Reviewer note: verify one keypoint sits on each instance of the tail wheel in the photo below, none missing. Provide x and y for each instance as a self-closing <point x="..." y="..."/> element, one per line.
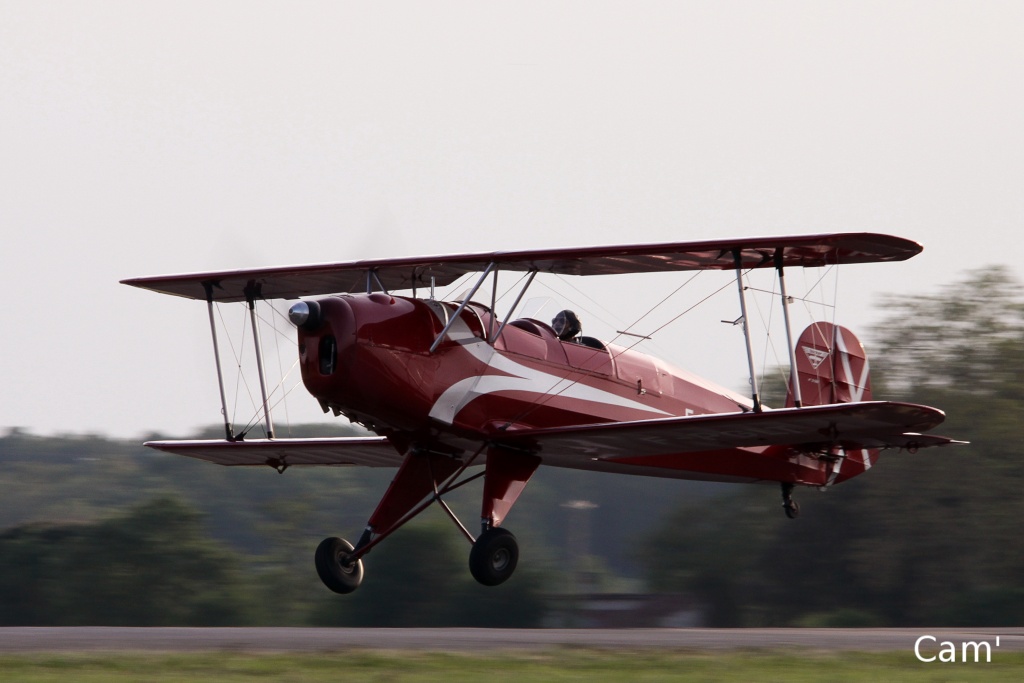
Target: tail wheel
<point x="335" y="570"/>
<point x="494" y="556"/>
<point x="791" y="507"/>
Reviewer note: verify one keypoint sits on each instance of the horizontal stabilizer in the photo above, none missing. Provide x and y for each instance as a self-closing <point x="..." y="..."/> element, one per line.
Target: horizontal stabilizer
<point x="370" y="451"/>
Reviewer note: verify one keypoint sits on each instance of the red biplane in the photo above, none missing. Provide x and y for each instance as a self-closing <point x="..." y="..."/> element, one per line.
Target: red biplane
<point x="449" y="387"/>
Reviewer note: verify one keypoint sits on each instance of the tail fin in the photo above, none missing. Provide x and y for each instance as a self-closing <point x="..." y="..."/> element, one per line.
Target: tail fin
<point x="831" y="367"/>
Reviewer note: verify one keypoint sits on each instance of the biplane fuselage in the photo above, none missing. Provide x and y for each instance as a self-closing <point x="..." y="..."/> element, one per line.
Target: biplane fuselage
<point x="386" y="378"/>
<point x="368" y="358"/>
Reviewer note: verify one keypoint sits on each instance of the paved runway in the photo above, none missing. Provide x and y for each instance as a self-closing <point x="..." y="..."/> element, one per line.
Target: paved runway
<point x="115" y="639"/>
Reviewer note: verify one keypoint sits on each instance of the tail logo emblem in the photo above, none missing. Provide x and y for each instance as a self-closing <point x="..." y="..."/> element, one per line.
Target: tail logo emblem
<point x="815" y="356"/>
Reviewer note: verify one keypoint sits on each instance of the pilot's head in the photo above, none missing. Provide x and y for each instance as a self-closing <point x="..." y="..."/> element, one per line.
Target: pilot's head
<point x="566" y="325"/>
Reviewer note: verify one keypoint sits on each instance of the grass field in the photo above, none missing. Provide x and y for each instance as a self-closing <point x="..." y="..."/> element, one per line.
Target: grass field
<point x="561" y="664"/>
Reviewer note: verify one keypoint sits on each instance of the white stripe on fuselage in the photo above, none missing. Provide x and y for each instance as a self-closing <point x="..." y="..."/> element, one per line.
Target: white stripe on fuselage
<point x="517" y="377"/>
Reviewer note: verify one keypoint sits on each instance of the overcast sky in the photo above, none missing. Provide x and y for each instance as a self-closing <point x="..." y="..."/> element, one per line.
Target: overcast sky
<point x="140" y="138"/>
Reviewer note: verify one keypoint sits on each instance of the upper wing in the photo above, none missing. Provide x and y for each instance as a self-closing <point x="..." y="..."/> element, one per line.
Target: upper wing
<point x="370" y="451"/>
<point x="875" y="424"/>
<point x="405" y="273"/>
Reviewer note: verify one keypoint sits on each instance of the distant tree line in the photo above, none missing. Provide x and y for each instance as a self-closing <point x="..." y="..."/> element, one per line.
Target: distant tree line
<point x="152" y="566"/>
<point x="148" y="567"/>
<point x="101" y="531"/>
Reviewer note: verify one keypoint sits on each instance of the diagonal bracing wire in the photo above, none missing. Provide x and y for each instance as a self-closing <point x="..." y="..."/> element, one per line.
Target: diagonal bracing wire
<point x="564" y="380"/>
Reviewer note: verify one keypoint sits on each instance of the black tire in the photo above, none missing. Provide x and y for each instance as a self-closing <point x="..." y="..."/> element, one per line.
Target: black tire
<point x="494" y="556"/>
<point x="335" y="572"/>
<point x="792" y="509"/>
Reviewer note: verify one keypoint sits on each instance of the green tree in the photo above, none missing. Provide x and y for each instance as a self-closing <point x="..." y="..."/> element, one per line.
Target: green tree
<point x="150" y="566"/>
<point x="964" y="339"/>
<point x="277" y="520"/>
<point x="711" y="551"/>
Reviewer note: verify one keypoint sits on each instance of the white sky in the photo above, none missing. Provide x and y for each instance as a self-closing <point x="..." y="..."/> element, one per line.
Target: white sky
<point x="145" y="138"/>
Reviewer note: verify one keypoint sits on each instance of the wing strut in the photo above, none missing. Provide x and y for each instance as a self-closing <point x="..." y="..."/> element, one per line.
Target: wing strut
<point x="515" y="304"/>
<point x="259" y="366"/>
<point x="746" y="329"/>
<point x="491" y="334"/>
<point x="371" y="277"/>
<point x="494" y="304"/>
<point x="462" y="306"/>
<point x="793" y="379"/>
<point x="228" y="433"/>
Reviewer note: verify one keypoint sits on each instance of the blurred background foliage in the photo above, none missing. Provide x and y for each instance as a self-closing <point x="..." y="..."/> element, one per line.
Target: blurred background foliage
<point x="73" y="505"/>
<point x="924" y="538"/>
<point x="106" y="532"/>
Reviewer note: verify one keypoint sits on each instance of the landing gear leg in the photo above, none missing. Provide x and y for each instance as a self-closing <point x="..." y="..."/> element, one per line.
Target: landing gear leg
<point x="339" y="564"/>
<point x="495" y="553"/>
<point x="791" y="507"/>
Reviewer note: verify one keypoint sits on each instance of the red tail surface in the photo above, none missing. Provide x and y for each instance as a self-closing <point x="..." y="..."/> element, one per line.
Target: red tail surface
<point x="832" y="367"/>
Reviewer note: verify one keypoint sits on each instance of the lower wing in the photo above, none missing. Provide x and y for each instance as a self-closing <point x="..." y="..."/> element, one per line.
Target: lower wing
<point x="811" y="430"/>
<point x="369" y="451"/>
<point x="814" y="429"/>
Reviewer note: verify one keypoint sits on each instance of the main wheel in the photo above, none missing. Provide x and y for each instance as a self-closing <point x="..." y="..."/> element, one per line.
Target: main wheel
<point x="494" y="556"/>
<point x="332" y="564"/>
<point x="792" y="509"/>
